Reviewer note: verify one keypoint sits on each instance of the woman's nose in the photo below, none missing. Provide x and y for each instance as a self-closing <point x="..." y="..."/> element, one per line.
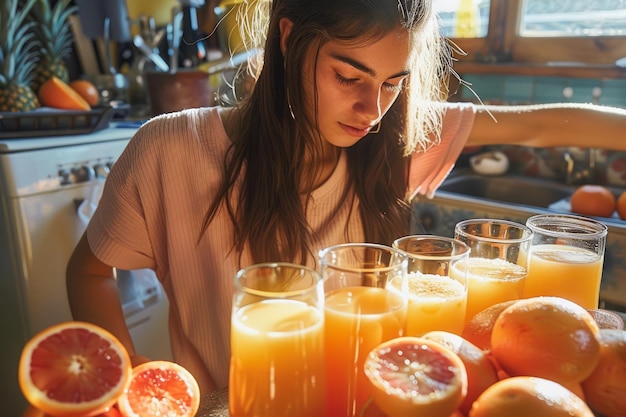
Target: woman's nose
<point x="368" y="104"/>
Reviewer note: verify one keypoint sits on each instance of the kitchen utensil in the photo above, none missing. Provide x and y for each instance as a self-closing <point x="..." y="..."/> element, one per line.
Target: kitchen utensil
<point x="107" y="46"/>
<point x="174" y="40"/>
<point x="150" y="53"/>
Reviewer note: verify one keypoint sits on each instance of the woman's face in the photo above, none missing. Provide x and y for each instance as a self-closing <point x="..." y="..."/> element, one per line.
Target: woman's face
<point x="356" y="85"/>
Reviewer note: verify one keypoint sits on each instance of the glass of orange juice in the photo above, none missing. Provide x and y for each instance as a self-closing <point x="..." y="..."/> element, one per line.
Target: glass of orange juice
<point x="498" y="262"/>
<point x="437" y="287"/>
<point x="566" y="258"/>
<point x="360" y="313"/>
<point x="277" y="342"/>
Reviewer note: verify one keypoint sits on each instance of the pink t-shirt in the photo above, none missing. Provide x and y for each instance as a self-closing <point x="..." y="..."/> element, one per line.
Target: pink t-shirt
<point x="152" y="209"/>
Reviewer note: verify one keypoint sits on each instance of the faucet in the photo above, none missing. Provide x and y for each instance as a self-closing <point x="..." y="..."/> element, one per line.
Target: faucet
<point x="585" y="175"/>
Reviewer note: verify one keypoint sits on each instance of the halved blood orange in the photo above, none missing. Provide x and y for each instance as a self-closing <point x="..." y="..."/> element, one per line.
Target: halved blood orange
<point x="416" y="376"/>
<point x="73" y="369"/>
<point x="31" y="411"/>
<point x="160" y="388"/>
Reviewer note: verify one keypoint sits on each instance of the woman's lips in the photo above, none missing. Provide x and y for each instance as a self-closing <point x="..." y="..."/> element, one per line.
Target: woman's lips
<point x="355" y="131"/>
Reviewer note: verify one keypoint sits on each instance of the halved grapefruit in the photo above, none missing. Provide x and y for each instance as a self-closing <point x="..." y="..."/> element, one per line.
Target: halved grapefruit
<point x="73" y="369"/>
<point x="416" y="376"/>
<point x="160" y="388"/>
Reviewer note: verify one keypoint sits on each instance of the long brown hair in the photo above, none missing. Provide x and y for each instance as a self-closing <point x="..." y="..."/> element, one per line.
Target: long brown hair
<point x="275" y="132"/>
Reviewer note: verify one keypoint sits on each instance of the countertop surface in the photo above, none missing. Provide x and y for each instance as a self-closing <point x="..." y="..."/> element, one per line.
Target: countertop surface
<point x="214" y="404"/>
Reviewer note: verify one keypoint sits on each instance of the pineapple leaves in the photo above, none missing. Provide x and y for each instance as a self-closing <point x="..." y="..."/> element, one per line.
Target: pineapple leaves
<point x="53" y="29"/>
<point x="17" y="55"/>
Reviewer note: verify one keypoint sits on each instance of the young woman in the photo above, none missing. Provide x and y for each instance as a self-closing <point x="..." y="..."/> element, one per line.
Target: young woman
<point x="344" y="122"/>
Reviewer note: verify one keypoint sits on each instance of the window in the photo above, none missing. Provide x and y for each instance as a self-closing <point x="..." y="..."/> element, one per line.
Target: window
<point x="578" y="18"/>
<point x="558" y="33"/>
<point x="463" y="18"/>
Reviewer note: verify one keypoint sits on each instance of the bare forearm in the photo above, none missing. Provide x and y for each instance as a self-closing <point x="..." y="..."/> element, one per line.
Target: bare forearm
<point x="96" y="300"/>
<point x="93" y="294"/>
<point x="548" y="125"/>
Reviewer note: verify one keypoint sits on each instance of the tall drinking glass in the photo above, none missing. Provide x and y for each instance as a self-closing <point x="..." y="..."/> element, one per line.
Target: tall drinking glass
<point x="566" y="258"/>
<point x="277" y="342"/>
<point x="498" y="261"/>
<point x="437" y="286"/>
<point x="360" y="313"/>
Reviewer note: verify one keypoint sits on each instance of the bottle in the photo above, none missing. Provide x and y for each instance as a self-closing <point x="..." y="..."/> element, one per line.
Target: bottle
<point x="192" y="48"/>
<point x="468" y="20"/>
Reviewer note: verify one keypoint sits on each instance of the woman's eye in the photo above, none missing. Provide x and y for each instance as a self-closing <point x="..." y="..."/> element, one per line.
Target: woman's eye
<point x="345" y="81"/>
<point x="393" y="88"/>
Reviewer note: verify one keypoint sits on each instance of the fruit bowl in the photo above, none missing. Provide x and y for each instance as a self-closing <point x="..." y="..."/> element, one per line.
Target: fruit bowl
<point x="48" y="121"/>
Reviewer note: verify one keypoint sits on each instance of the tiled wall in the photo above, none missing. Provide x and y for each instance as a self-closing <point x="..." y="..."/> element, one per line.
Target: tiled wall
<point x="510" y="89"/>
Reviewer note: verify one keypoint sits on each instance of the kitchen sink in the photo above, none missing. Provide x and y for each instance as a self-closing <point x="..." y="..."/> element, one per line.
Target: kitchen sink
<point x="514" y="189"/>
<point x="466" y="195"/>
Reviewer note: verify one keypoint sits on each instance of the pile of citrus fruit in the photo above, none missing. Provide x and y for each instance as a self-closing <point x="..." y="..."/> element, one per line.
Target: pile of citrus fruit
<point x="535" y="357"/>
<point x="599" y="201"/>
<point x="77" y="95"/>
<point x="77" y="369"/>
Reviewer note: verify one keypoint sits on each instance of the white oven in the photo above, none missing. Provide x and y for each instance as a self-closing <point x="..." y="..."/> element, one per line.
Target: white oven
<point x="43" y="183"/>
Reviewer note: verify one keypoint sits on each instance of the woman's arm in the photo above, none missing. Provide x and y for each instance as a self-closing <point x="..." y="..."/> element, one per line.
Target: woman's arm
<point x="548" y="125"/>
<point x="94" y="297"/>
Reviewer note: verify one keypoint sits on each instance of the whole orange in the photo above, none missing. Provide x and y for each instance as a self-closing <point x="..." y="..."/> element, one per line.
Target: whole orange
<point x="481" y="372"/>
<point x="548" y="337"/>
<point x="527" y="396"/>
<point x="605" y="388"/>
<point x="478" y="329"/>
<point x="621" y="206"/>
<point x="58" y="94"/>
<point x="87" y="90"/>
<point x="593" y="200"/>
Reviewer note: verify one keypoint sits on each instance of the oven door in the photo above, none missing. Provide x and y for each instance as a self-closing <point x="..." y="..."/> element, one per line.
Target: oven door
<point x="49" y="230"/>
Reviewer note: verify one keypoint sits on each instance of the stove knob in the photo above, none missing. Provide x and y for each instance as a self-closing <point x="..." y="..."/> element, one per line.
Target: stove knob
<point x="101" y="171"/>
<point x="65" y="176"/>
<point x="83" y="173"/>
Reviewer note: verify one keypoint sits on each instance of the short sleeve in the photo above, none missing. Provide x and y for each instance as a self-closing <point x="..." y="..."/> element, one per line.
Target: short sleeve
<point x="117" y="232"/>
<point x="429" y="168"/>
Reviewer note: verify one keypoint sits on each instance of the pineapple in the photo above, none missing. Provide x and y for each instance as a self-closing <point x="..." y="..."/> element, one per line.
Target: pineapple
<point x="54" y="33"/>
<point x="18" y="57"/>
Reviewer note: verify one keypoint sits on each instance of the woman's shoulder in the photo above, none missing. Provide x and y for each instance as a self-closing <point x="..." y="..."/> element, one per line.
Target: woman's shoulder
<point x="198" y="124"/>
<point x="189" y="136"/>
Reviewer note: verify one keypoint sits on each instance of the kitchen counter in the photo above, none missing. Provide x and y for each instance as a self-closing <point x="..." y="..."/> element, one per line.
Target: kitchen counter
<point x="214" y="404"/>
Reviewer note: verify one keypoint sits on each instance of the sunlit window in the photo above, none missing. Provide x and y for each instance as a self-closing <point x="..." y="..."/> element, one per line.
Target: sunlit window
<point x="573" y="18"/>
<point x="463" y="18"/>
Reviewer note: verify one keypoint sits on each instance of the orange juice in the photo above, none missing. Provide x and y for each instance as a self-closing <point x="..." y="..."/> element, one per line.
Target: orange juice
<point x="436" y="302"/>
<point x="489" y="282"/>
<point x="277" y="360"/>
<point x="564" y="271"/>
<point x="357" y="319"/>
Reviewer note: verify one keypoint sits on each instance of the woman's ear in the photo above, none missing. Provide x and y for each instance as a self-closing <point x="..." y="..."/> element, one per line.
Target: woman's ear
<point x="285" y="29"/>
